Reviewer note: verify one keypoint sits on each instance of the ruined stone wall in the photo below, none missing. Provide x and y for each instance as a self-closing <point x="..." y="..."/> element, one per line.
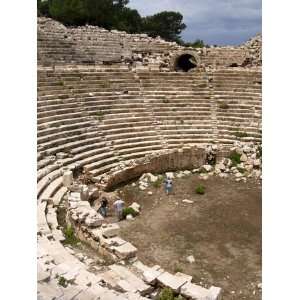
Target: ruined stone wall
<point x="91" y="45"/>
<point x="187" y="158"/>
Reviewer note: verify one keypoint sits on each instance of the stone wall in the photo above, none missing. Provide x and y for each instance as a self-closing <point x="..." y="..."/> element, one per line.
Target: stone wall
<point x="187" y="158"/>
<point x="91" y="45"/>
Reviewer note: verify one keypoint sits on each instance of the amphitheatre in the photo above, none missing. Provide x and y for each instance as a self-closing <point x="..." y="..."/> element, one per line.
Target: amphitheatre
<point x="115" y="113"/>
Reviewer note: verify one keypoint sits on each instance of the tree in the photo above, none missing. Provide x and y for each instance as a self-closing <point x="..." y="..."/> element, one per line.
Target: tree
<point x="113" y="14"/>
<point x="167" y="24"/>
<point x="69" y="12"/>
<point x="43" y="8"/>
<point x="129" y="20"/>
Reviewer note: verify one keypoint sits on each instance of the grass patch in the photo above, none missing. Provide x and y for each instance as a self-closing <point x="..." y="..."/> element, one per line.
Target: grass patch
<point x="69" y="233"/>
<point x="240" y="134"/>
<point x="166" y="294"/>
<point x="223" y="105"/>
<point x="128" y="211"/>
<point x="177" y="268"/>
<point x="235" y="158"/>
<point x="158" y="182"/>
<point x="200" y="189"/>
<point x="99" y="115"/>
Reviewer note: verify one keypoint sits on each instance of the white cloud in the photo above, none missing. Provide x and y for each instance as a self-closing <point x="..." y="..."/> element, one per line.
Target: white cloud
<point x="214" y="21"/>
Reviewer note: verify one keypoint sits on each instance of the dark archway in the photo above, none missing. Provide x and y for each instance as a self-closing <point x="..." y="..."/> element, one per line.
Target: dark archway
<point x="185" y="62"/>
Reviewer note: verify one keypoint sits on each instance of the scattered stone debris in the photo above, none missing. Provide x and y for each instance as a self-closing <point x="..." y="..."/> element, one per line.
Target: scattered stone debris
<point x="187" y="201"/>
<point x="190" y="259"/>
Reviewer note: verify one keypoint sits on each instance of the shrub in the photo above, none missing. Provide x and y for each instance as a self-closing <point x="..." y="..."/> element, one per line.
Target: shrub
<point x="128" y="211"/>
<point x="62" y="281"/>
<point x="70" y="236"/>
<point x="158" y="182"/>
<point x="235" y="158"/>
<point x="177" y="269"/>
<point x="223" y="105"/>
<point x="240" y="134"/>
<point x="166" y="100"/>
<point x="259" y="152"/>
<point x="166" y="294"/>
<point x="200" y="189"/>
<point x="99" y="115"/>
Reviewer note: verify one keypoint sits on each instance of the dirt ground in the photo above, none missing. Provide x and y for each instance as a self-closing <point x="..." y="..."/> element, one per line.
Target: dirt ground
<point x="221" y="229"/>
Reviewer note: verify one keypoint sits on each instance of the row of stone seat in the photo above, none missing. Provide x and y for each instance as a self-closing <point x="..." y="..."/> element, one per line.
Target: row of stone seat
<point x="240" y="91"/>
<point x="113" y="125"/>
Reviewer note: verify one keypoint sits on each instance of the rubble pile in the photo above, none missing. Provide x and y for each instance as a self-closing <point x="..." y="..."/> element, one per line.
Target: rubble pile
<point x="244" y="162"/>
<point x="254" y="49"/>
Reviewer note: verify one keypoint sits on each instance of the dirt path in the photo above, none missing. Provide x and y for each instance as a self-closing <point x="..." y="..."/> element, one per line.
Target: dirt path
<point x="221" y="229"/>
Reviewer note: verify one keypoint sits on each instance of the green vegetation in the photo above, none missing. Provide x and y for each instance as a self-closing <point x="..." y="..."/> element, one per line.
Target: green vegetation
<point x="196" y="44"/>
<point x="128" y="211"/>
<point x="158" y="182"/>
<point x="114" y="14"/>
<point x="240" y="134"/>
<point x="259" y="151"/>
<point x="200" y="189"/>
<point x="99" y="115"/>
<point x="166" y="294"/>
<point x="177" y="268"/>
<point x="62" y="281"/>
<point x="69" y="233"/>
<point x="235" y="158"/>
<point x="167" y="24"/>
<point x="223" y="105"/>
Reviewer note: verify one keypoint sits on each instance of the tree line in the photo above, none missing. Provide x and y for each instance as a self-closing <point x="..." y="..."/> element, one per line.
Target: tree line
<point x="115" y="14"/>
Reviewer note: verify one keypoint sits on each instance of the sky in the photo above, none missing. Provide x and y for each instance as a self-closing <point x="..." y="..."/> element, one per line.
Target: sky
<point x="221" y="22"/>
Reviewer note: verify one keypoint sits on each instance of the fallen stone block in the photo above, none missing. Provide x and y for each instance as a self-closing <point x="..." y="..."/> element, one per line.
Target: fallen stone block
<point x="136" y="207"/>
<point x="125" y="251"/>
<point x="151" y="275"/>
<point x="185" y="276"/>
<point x="194" y="292"/>
<point x="173" y="282"/>
<point x="187" y="201"/>
<point x="215" y="293"/>
<point x="110" y="230"/>
<point x="114" y="241"/>
<point x="136" y="283"/>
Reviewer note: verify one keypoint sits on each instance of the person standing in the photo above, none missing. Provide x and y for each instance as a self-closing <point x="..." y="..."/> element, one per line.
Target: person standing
<point x="168" y="185"/>
<point x="119" y="205"/>
<point x="104" y="207"/>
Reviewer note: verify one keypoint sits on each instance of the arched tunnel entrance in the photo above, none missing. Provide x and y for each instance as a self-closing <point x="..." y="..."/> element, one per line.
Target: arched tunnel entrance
<point x="185" y="62"/>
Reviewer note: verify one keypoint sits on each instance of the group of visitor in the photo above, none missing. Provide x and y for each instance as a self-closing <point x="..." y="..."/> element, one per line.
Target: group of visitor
<point x="119" y="203"/>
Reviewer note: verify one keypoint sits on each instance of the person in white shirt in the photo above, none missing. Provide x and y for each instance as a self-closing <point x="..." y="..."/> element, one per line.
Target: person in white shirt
<point x="119" y="205"/>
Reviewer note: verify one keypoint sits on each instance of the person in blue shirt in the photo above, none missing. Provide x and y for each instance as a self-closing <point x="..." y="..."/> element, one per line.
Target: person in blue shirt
<point x="168" y="185"/>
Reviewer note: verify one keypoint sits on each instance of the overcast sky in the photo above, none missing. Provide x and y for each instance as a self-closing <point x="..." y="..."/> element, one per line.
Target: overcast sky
<point x="221" y="22"/>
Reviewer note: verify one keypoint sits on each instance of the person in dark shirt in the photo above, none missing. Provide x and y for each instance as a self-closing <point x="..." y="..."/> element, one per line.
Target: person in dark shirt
<point x="104" y="207"/>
